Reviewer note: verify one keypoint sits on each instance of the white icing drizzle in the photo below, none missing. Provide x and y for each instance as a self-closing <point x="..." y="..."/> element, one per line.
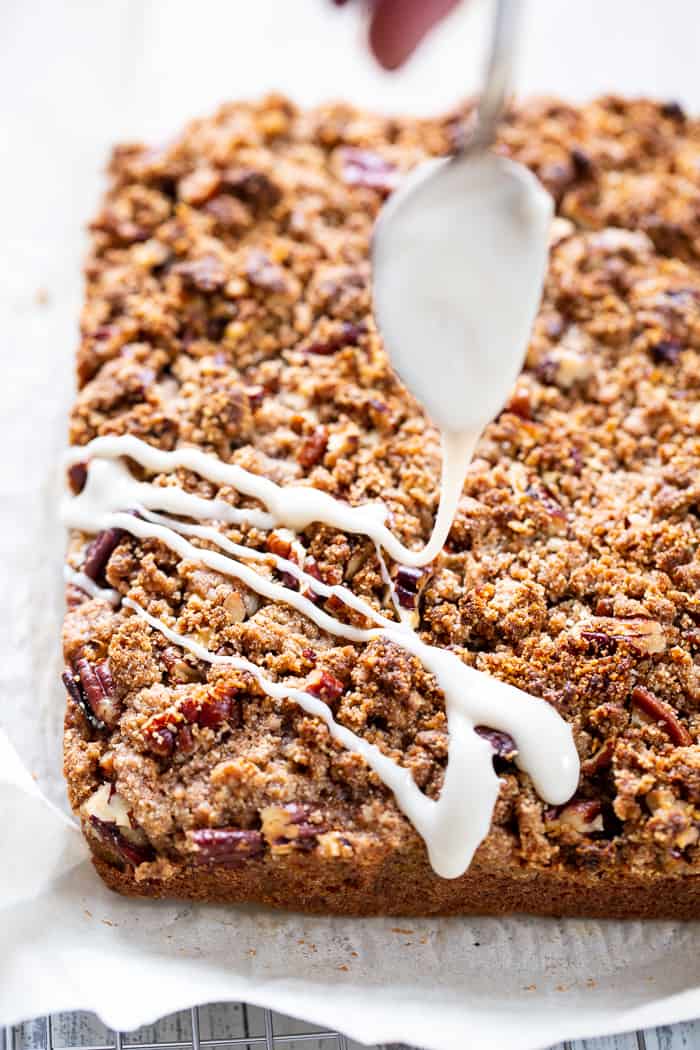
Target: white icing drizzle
<point x="326" y="590"/>
<point x="88" y="585"/>
<point x="295" y="506"/>
<point x="389" y="584"/>
<point x="453" y="825"/>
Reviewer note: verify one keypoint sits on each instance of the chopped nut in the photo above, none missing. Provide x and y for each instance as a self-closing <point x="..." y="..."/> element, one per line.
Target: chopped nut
<point x="231" y="215"/>
<point x="407" y="581"/>
<point x="645" y="636"/>
<point x="535" y="490"/>
<point x="502" y="743"/>
<point x="100" y="551"/>
<point x="254" y="187"/>
<point x="216" y="706"/>
<point x="107" y="764"/>
<point x="325" y="685"/>
<point x="365" y="168"/>
<point x="72" y="683"/>
<point x="674" y="111"/>
<point x="333" y="844"/>
<point x="226" y="847"/>
<point x="206" y="274"/>
<point x="584" y="817"/>
<point x="235" y="606"/>
<point x="117" y="843"/>
<point x="348" y="335"/>
<point x="98" y="688"/>
<point x="162" y="740"/>
<point x="184" y="744"/>
<point x="280" y="542"/>
<point x="264" y="273"/>
<point x="662" y="713"/>
<point x="77" y="476"/>
<point x="179" y="671"/>
<point x="666" y="351"/>
<point x="92" y="689"/>
<point x="287" y="828"/>
<point x="602" y="759"/>
<point x="106" y="804"/>
<point x="199" y="185"/>
<point x="313" y="448"/>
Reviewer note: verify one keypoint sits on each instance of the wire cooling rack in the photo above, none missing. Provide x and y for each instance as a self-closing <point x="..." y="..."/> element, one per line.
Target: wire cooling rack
<point x="225" y="1025"/>
<point x="236" y="1025"/>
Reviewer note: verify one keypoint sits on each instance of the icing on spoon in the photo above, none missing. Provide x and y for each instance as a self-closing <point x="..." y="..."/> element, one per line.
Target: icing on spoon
<point x="459" y="255"/>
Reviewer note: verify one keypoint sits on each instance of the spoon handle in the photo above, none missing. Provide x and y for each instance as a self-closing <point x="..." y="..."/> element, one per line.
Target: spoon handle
<point x="498" y="71"/>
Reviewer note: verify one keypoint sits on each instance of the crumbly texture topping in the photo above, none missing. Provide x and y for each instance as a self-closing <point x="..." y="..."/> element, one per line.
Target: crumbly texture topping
<point x="228" y="306"/>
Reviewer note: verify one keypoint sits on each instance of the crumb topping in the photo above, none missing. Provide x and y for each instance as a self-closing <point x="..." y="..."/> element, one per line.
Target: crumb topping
<point x="228" y="306"/>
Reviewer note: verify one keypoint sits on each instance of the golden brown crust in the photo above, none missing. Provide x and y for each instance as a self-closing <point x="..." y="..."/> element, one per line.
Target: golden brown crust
<point x="406" y="885"/>
<point x="228" y="307"/>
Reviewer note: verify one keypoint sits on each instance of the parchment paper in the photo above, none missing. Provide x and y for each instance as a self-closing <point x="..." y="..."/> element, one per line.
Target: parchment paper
<point x="73" y="78"/>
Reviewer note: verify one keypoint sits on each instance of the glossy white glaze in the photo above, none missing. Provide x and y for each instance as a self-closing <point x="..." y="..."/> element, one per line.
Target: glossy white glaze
<point x="453" y="825"/>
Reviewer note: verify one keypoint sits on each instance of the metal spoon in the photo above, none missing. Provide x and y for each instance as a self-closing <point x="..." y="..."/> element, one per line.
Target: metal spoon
<point x="458" y="257"/>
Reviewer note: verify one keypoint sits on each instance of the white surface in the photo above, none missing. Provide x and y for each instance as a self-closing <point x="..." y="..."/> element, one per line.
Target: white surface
<point x="73" y="77"/>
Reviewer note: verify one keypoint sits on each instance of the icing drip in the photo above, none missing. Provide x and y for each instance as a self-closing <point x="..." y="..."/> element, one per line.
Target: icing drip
<point x="295" y="506"/>
<point x="453" y="825"/>
<point x="389" y="584"/>
<point x="86" y="584"/>
<point x="283" y="564"/>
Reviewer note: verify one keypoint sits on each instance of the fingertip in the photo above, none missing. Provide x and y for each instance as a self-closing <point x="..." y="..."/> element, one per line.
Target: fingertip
<point x="398" y="26"/>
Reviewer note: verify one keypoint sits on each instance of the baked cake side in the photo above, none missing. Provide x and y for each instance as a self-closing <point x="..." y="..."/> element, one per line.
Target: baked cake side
<point x="228" y="309"/>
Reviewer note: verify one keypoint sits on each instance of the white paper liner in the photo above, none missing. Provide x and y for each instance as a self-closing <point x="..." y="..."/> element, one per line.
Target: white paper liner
<point x="75" y="78"/>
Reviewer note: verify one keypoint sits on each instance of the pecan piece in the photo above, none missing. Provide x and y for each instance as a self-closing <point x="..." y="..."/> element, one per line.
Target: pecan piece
<point x="581" y="163"/>
<point x="230" y="213"/>
<point x="602" y="759"/>
<point x="520" y="404"/>
<point x="313" y="447"/>
<point x="72" y="683"/>
<point x="100" y="551"/>
<point x="541" y="493"/>
<point x="77" y="476"/>
<point x="262" y="272"/>
<point x="169" y="732"/>
<point x="365" y="168"/>
<point x="600" y="642"/>
<point x="179" y="671"/>
<point x="665" y="352"/>
<point x="130" y="852"/>
<point x="255" y="394"/>
<point x="673" y="110"/>
<point x="288" y="827"/>
<point x="277" y="543"/>
<point x="98" y="689"/>
<point x="644" y="635"/>
<point x="217" y="707"/>
<point x="502" y="743"/>
<point x="206" y="274"/>
<point x="254" y="187"/>
<point x="197" y="187"/>
<point x="226" y="847"/>
<point x="348" y="335"/>
<point x="662" y="713"/>
<point x="407" y="580"/>
<point x="161" y="736"/>
<point x="325" y="686"/>
<point x="583" y="816"/>
<point x="92" y="689"/>
<point x="184" y="745"/>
